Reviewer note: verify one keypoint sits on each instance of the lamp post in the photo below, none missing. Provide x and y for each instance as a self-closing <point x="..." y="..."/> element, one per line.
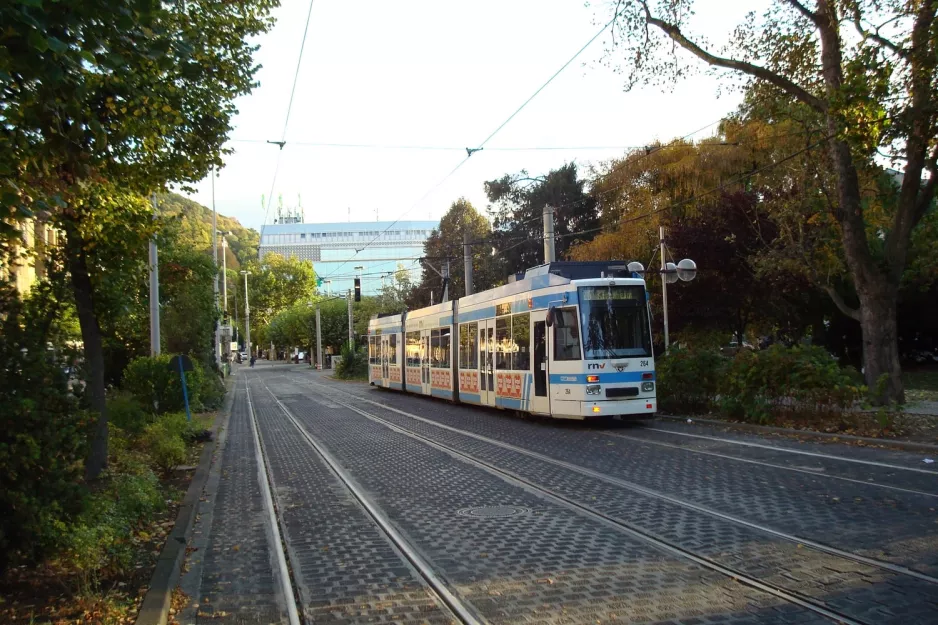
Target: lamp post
<point x="247" y="313"/>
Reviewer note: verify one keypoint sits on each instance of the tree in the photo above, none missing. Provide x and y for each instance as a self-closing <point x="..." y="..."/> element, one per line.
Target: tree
<point x="445" y="243"/>
<point x="518" y="206"/>
<point x="867" y="69"/>
<point x="188" y="302"/>
<point x="139" y="91"/>
<point x="275" y="284"/>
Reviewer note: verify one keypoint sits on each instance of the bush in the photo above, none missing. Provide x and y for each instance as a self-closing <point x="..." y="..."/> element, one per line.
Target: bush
<point x="125" y="412"/>
<point x="354" y="365"/>
<point x="100" y="541"/>
<point x="689" y="379"/>
<point x="799" y="381"/>
<point x="212" y="392"/>
<point x="165" y="440"/>
<point x="152" y="383"/>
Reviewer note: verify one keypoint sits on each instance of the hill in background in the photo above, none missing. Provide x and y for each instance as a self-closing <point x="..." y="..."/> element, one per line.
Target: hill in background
<point x="193" y="223"/>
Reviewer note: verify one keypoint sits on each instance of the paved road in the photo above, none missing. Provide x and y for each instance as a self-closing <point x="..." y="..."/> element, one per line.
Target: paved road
<point x="339" y="503"/>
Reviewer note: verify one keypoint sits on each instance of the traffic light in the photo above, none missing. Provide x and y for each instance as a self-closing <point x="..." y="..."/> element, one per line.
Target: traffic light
<point x="358" y="289"/>
<point x="318" y="281"/>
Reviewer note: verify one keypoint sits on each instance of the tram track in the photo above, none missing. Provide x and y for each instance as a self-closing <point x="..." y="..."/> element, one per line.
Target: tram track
<point x="459" y="610"/>
<point x="777" y="590"/>
<point x="649" y="492"/>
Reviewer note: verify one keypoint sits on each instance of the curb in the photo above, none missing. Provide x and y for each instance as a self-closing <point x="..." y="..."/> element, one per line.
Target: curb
<point x="157" y="602"/>
<point x="750" y="427"/>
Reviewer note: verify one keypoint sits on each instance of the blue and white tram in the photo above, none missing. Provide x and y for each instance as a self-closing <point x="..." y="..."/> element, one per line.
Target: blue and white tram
<point x="569" y="340"/>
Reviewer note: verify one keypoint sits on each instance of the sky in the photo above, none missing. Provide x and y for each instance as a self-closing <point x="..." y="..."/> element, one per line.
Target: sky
<point x="401" y="77"/>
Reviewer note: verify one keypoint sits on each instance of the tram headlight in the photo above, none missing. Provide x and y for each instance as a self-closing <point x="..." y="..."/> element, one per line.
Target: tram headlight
<point x="593" y="389"/>
<point x="648" y="387"/>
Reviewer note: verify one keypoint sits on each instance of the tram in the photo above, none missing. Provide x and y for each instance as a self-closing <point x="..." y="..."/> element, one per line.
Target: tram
<point x="570" y="340"/>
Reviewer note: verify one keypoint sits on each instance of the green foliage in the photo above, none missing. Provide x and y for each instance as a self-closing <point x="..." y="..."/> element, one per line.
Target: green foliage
<point x="100" y="541"/>
<point x="43" y="434"/>
<point x="799" y="381"/>
<point x="165" y="440"/>
<point x="190" y="225"/>
<point x="212" y="391"/>
<point x="275" y="285"/>
<point x="127" y="413"/>
<point x="152" y="383"/>
<point x="188" y="303"/>
<point x="688" y="380"/>
<point x="446" y="241"/>
<point x="354" y="365"/>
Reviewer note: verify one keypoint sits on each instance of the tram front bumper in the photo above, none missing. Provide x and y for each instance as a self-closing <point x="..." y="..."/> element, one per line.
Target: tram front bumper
<point x="603" y="408"/>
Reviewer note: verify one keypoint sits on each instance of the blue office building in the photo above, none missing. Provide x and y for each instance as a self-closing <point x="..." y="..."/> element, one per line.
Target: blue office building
<point x="384" y="247"/>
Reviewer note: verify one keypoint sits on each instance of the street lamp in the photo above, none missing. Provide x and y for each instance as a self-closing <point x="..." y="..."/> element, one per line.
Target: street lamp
<point x="247" y="312"/>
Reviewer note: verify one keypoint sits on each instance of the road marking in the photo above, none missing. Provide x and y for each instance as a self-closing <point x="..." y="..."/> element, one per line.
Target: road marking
<point x="770" y="464"/>
<point x="262" y="477"/>
<point x="813" y="454"/>
<point x="653" y="493"/>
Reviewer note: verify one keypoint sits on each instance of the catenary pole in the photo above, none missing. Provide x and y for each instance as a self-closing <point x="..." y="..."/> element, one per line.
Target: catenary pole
<point x="154" y="291"/>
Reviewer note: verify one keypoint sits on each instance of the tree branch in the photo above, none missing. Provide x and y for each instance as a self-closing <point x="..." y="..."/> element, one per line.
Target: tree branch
<point x="875" y="36"/>
<point x="841" y="305"/>
<point x="811" y="15"/>
<point x="928" y="190"/>
<point x="757" y="71"/>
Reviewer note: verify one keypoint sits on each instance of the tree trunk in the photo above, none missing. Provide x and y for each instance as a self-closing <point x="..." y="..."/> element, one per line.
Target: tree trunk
<point x="880" y="342"/>
<point x="96" y="460"/>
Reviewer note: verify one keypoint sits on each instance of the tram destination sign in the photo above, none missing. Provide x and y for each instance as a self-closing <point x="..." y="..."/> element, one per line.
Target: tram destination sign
<point x="601" y="293"/>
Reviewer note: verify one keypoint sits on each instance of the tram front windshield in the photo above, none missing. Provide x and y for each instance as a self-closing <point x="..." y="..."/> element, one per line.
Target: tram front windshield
<point x="615" y="322"/>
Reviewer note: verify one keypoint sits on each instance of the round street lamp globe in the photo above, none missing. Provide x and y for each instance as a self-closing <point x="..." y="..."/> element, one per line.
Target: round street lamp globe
<point x="687" y="270"/>
<point x="670" y="275"/>
<point x="636" y="267"/>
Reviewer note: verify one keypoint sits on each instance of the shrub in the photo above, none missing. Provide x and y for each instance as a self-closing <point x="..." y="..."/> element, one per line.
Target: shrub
<point x="212" y="391"/>
<point x="688" y="379"/>
<point x="125" y="412"/>
<point x="354" y="364"/>
<point x="100" y="541"/>
<point x="165" y="440"/>
<point x="152" y="383"/>
<point x="799" y="381"/>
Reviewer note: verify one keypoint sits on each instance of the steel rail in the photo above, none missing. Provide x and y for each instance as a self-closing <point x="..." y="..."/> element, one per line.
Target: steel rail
<point x="458" y="607"/>
<point x="627" y="528"/>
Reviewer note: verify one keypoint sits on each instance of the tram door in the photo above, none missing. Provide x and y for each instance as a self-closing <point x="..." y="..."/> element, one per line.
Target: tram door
<point x="385" y="356"/>
<point x="540" y="401"/>
<point x="487" y="361"/>
<point x="425" y="355"/>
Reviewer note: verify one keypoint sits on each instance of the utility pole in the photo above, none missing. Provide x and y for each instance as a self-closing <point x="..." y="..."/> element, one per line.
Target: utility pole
<point x="445" y="282"/>
<point x="217" y="346"/>
<point x="318" y="340"/>
<point x="467" y="261"/>
<point x="664" y="286"/>
<point x="549" y="252"/>
<point x="154" y="291"/>
<point x="247" y="314"/>
<point x="224" y="271"/>
<point x="351" y="327"/>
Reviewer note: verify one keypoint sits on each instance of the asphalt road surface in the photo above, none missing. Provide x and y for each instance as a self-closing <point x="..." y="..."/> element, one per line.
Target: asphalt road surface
<point x="334" y="502"/>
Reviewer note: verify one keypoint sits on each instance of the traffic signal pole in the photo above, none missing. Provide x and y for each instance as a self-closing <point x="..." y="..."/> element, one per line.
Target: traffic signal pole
<point x="351" y="327"/>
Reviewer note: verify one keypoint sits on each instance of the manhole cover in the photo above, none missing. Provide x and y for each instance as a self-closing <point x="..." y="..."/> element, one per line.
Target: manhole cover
<point x="493" y="512"/>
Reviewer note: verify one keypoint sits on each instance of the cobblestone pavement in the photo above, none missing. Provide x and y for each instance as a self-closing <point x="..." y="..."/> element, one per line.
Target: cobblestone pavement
<point x="513" y="538"/>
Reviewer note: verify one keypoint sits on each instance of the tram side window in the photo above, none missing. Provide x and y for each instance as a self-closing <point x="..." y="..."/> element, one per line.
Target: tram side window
<point x="413" y="349"/>
<point x="392" y="346"/>
<point x="503" y="343"/>
<point x="435" y="355"/>
<point x="444" y="347"/>
<point x="566" y="335"/>
<point x="521" y="338"/>
<point x="371" y="349"/>
<point x="472" y="356"/>
<point x="463" y="345"/>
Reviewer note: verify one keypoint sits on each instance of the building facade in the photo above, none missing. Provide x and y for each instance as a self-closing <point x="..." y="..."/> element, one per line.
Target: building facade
<point x="382" y="248"/>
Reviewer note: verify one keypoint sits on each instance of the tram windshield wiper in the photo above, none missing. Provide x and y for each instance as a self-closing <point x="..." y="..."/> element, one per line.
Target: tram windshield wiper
<point x="615" y="322"/>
